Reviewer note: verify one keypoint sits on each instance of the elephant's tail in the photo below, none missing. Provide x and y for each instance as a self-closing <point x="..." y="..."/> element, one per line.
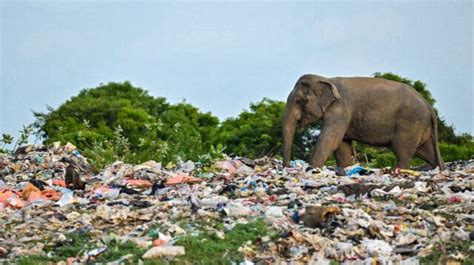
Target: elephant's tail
<point x="434" y="137"/>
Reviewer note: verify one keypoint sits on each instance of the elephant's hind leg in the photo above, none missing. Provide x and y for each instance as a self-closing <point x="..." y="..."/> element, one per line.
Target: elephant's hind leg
<point x="426" y="152"/>
<point x="404" y="146"/>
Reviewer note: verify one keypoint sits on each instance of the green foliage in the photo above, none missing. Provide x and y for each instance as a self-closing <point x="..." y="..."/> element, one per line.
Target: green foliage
<point x="215" y="153"/>
<point x="375" y="157"/>
<point x="22" y="139"/>
<point x="34" y="259"/>
<point x="118" y="121"/>
<point x="108" y="151"/>
<point x="6" y="139"/>
<point x="256" y="132"/>
<point x="187" y="131"/>
<point x="94" y="114"/>
<point x="379" y="157"/>
<point x="74" y="245"/>
<point x="453" y="152"/>
<point x="116" y="250"/>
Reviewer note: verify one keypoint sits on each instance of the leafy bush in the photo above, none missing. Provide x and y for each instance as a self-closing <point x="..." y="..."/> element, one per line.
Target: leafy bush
<point x="256" y="132"/>
<point x="118" y="121"/>
<point x="22" y="139"/>
<point x="452" y="152"/>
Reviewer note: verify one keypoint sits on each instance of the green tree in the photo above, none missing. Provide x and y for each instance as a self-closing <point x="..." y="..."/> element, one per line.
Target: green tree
<point x="94" y="114"/>
<point x="120" y="121"/>
<point x="255" y="132"/>
<point x="188" y="131"/>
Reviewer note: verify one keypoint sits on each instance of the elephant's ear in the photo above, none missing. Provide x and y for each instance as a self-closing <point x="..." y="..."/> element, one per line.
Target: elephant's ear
<point x="329" y="95"/>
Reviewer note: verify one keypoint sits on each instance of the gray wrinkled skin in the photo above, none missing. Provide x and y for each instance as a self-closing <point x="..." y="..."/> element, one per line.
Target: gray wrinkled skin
<point x="373" y="111"/>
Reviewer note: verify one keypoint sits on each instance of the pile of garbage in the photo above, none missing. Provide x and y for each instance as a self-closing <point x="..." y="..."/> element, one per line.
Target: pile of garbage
<point x="367" y="216"/>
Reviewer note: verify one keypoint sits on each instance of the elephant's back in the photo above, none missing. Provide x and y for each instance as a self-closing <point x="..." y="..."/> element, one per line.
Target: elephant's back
<point x="390" y="94"/>
<point x="379" y="105"/>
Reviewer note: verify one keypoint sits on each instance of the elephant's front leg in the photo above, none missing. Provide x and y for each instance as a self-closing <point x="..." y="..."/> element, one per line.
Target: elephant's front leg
<point x="343" y="154"/>
<point x="329" y="140"/>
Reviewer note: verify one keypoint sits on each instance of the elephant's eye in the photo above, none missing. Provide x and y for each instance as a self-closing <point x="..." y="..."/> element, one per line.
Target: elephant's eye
<point x="301" y="101"/>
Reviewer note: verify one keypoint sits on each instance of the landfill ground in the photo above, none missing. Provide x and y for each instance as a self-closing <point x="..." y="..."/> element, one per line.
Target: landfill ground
<point x="230" y="212"/>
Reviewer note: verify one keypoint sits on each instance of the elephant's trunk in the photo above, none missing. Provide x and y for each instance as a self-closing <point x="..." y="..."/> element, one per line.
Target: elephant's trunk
<point x="292" y="115"/>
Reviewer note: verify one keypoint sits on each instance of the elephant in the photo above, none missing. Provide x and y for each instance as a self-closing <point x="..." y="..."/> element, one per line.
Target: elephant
<point x="372" y="111"/>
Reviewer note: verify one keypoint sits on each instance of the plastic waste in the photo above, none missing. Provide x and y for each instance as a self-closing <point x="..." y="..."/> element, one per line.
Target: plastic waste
<point x="29" y="188"/>
<point x="164" y="251"/>
<point x="66" y="199"/>
<point x="139" y="183"/>
<point x="376" y="247"/>
<point x="274" y="212"/>
<point x="95" y="252"/>
<point x="180" y="179"/>
<point x="410" y="172"/>
<point x="311" y="215"/>
<point x="345" y="248"/>
<point x="187" y="167"/>
<point x="15" y="201"/>
<point x="355" y="170"/>
<point x="236" y="209"/>
<point x="213" y="202"/>
<point x="297" y="163"/>
<point x="59" y="182"/>
<point x="107" y="193"/>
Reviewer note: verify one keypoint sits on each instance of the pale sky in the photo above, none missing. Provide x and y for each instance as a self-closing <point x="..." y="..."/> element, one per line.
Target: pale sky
<point x="222" y="56"/>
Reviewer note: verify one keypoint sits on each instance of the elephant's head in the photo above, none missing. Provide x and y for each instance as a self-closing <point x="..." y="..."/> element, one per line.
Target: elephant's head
<point x="306" y="104"/>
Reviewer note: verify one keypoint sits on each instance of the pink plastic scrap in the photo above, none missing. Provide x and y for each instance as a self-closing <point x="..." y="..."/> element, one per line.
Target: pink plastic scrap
<point x="139" y="183"/>
<point x="180" y="179"/>
<point x="10" y="199"/>
<point x="228" y="166"/>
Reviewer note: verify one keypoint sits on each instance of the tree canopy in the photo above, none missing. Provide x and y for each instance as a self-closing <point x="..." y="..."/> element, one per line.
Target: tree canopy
<point x="148" y="126"/>
<point x="256" y="132"/>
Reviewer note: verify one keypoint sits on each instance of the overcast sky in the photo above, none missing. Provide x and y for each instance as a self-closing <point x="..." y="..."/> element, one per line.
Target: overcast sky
<point x="220" y="57"/>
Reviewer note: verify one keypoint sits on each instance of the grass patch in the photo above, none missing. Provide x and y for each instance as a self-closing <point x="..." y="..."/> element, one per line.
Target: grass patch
<point x="34" y="259"/>
<point x="74" y="244"/>
<point x="116" y="250"/>
<point x="207" y="248"/>
<point x="442" y="250"/>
